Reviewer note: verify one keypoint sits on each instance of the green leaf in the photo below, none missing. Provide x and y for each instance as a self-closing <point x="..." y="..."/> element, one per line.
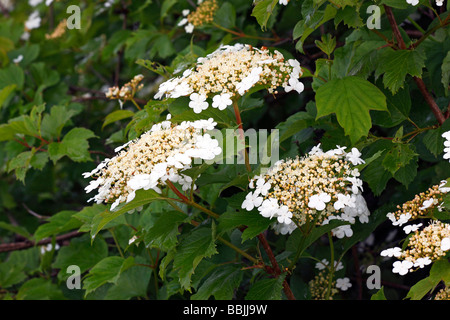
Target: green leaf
<point x="226" y="16"/>
<point x="310" y="23"/>
<point x="379" y="295"/>
<point x="39" y="289"/>
<point x="16" y="229"/>
<point x="266" y="289"/>
<point x="433" y="139"/>
<point x="163" y="234"/>
<point x="440" y="271"/>
<point x="11" y="273"/>
<point x="5" y="92"/>
<point x="12" y="74"/>
<point x="350" y="98"/>
<point x="82" y="253"/>
<point x="116" y="116"/>
<point x="142" y="197"/>
<point x="108" y="270"/>
<point x="57" y="224"/>
<point x="131" y="283"/>
<point x="53" y="122"/>
<point x="396" y="64"/>
<point x="253" y="222"/>
<point x="194" y="247"/>
<point x="397" y="157"/>
<point x="297" y="242"/>
<point x="74" y="145"/>
<point x="221" y="284"/>
<point x="20" y="164"/>
<point x="263" y="10"/>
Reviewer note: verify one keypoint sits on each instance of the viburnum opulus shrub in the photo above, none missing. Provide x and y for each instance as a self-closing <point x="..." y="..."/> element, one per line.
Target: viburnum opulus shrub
<point x="216" y="149"/>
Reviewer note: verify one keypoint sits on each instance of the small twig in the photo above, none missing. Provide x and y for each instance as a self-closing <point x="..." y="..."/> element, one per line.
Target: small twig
<point x="7" y="247"/>
<point x="41" y="217"/>
<point x="420" y="84"/>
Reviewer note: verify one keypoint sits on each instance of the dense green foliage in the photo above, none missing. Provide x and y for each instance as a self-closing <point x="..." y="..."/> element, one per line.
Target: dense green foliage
<point x="384" y="91"/>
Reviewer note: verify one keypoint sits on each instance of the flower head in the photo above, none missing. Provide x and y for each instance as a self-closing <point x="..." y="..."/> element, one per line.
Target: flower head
<point x="159" y="155"/>
<point x="203" y="14"/>
<point x="318" y="187"/>
<point x="231" y="71"/>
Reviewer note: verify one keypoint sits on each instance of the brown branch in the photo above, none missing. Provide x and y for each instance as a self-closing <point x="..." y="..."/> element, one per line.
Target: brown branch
<point x="7" y="247"/>
<point x="430" y="101"/>
<point x="420" y="84"/>
<point x="275" y="270"/>
<point x="395" y="30"/>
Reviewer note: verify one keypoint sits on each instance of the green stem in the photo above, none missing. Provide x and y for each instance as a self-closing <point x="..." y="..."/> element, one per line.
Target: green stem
<point x="111" y="230"/>
<point x="135" y="103"/>
<point x="243" y="35"/>
<point x="443" y="24"/>
<point x="330" y="239"/>
<point x="237" y="114"/>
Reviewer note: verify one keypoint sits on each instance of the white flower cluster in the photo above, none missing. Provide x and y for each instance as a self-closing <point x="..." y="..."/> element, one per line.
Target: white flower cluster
<point x="203" y="14"/>
<point x="423" y="247"/>
<point x="231" y="71"/>
<point x="421" y="206"/>
<point x="158" y="156"/>
<point x="319" y="187"/>
<point x="446" y="136"/>
<point x="439" y="3"/>
<point x="320" y="284"/>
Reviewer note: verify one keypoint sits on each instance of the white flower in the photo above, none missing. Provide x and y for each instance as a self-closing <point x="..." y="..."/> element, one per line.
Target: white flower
<point x="249" y="81"/>
<point x="283" y="2"/>
<point x="412" y="2"/>
<point x="402" y="267"/>
<point x="391" y="252"/>
<point x="284" y="215"/>
<point x="318" y="201"/>
<point x="439" y="3"/>
<point x="198" y="102"/>
<point x="343" y="284"/>
<point x="33" y="21"/>
<point x="316" y="150"/>
<point x="428" y="203"/>
<point x="34" y="3"/>
<point x="222" y="101"/>
<point x="356" y="184"/>
<point x="262" y="186"/>
<point x="344" y="200"/>
<point x="189" y="28"/>
<point x="442" y="187"/>
<point x="166" y="86"/>
<point x="404" y="218"/>
<point x="354" y="157"/>
<point x="18" y="59"/>
<point x="252" y="200"/>
<point x="342" y="231"/>
<point x="182" y="22"/>
<point x="445" y="244"/>
<point x="269" y="208"/>
<point x="185" y="12"/>
<point x="422" y="262"/>
<point x="322" y="264"/>
<point x="132" y="239"/>
<point x="94" y="184"/>
<point x="412" y="228"/>
<point x="284" y="228"/>
<point x="294" y="84"/>
<point x="48" y="248"/>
